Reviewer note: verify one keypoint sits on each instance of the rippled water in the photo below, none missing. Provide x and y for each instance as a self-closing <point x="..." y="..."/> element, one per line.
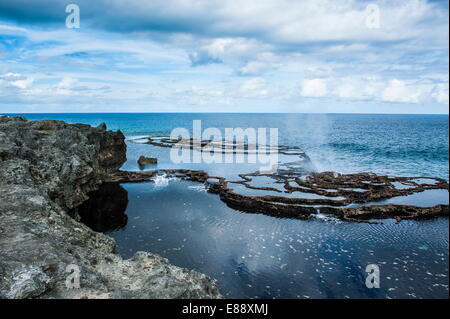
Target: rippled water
<point x="258" y="256"/>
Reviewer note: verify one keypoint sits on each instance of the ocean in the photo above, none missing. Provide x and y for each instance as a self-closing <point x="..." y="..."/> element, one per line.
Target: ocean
<point x="258" y="256"/>
<point x="402" y="145"/>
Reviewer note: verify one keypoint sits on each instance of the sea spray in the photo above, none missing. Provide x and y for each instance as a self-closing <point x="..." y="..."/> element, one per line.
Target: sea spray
<point x="314" y="133"/>
<point x="161" y="180"/>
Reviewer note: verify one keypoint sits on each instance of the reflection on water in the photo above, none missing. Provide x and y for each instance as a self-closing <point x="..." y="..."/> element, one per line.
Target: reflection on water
<point x="257" y="256"/>
<point x="427" y="198"/>
<point x="424" y="199"/>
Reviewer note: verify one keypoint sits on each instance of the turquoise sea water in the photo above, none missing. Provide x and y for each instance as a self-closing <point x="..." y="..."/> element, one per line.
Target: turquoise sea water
<point x="403" y="145"/>
<point x="258" y="256"/>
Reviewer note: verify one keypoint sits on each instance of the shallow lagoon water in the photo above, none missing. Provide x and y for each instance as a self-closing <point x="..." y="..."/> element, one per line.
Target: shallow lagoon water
<point x="423" y="199"/>
<point x="258" y="256"/>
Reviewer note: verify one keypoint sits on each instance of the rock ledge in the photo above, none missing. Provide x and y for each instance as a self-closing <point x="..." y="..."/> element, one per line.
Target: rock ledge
<point x="47" y="168"/>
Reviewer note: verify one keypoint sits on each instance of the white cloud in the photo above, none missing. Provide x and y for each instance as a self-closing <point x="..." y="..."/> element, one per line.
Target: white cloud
<point x="323" y="45"/>
<point x="254" y="88"/>
<point x="228" y="49"/>
<point x="347" y="91"/>
<point x="253" y="68"/>
<point x="399" y="91"/>
<point x="17" y="80"/>
<point x="314" y="88"/>
<point x="67" y="84"/>
<point x="22" y="84"/>
<point x="289" y="21"/>
<point x="9" y="75"/>
<point x="440" y="93"/>
<point x="353" y="88"/>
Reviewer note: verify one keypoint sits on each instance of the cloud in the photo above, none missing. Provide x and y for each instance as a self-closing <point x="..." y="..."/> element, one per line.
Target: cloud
<point x="440" y="93"/>
<point x="255" y="68"/>
<point x="273" y="52"/>
<point x="353" y="88"/>
<point x="202" y="58"/>
<point x="22" y="84"/>
<point x="282" y="23"/>
<point x="66" y="84"/>
<point x="398" y="91"/>
<point x="254" y="88"/>
<point x="16" y="80"/>
<point x="314" y="88"/>
<point x="230" y="50"/>
<point x="10" y="76"/>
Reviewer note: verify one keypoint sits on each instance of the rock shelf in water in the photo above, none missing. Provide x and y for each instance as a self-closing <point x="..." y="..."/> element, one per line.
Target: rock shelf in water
<point x="296" y="191"/>
<point x="375" y="188"/>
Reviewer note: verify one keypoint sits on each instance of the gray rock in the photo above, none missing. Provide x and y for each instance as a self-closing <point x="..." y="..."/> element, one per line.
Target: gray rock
<point x="46" y="170"/>
<point x="144" y="161"/>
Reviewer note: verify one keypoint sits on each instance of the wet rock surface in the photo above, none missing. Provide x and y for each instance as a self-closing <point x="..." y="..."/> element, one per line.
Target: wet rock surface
<point x="218" y="146"/>
<point x="47" y="169"/>
<point x="370" y="188"/>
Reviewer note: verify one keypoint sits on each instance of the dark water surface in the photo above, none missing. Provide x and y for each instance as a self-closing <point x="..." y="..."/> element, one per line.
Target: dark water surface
<point x="257" y="256"/>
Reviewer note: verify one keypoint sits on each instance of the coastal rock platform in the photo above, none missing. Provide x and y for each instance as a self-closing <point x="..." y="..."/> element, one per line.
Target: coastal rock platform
<point x="296" y="190"/>
<point x="350" y="197"/>
<point x="47" y="169"/>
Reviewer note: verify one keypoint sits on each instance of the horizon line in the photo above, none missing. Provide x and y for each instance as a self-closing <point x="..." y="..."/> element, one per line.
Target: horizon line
<point x="354" y="113"/>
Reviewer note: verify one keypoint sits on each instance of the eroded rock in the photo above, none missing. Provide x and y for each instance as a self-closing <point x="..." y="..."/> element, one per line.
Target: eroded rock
<point x="144" y="161"/>
<point x="104" y="211"/>
<point x="335" y="193"/>
<point x="47" y="169"/>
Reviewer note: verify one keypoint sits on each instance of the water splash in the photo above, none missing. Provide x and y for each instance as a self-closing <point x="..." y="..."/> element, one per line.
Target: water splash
<point x="161" y="180"/>
<point x="327" y="218"/>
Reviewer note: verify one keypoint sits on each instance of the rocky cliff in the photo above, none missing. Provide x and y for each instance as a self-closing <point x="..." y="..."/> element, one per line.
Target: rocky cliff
<point x="47" y="168"/>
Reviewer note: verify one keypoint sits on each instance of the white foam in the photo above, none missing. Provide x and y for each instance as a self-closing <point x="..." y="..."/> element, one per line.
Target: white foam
<point x="161" y="180"/>
<point x="198" y="188"/>
<point x="327" y="218"/>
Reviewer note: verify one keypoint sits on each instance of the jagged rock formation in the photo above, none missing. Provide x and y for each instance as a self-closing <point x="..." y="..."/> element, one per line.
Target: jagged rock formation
<point x="295" y="190"/>
<point x="47" y="169"/>
<point x="336" y="192"/>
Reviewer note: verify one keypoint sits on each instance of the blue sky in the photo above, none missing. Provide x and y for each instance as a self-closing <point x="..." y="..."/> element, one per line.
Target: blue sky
<point x="225" y="56"/>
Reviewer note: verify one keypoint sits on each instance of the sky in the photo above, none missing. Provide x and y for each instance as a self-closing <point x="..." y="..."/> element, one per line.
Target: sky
<point x="309" y="56"/>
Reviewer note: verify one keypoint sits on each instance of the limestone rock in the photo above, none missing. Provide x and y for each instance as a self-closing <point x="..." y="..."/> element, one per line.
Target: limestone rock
<point x="47" y="168"/>
<point x="144" y="161"/>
